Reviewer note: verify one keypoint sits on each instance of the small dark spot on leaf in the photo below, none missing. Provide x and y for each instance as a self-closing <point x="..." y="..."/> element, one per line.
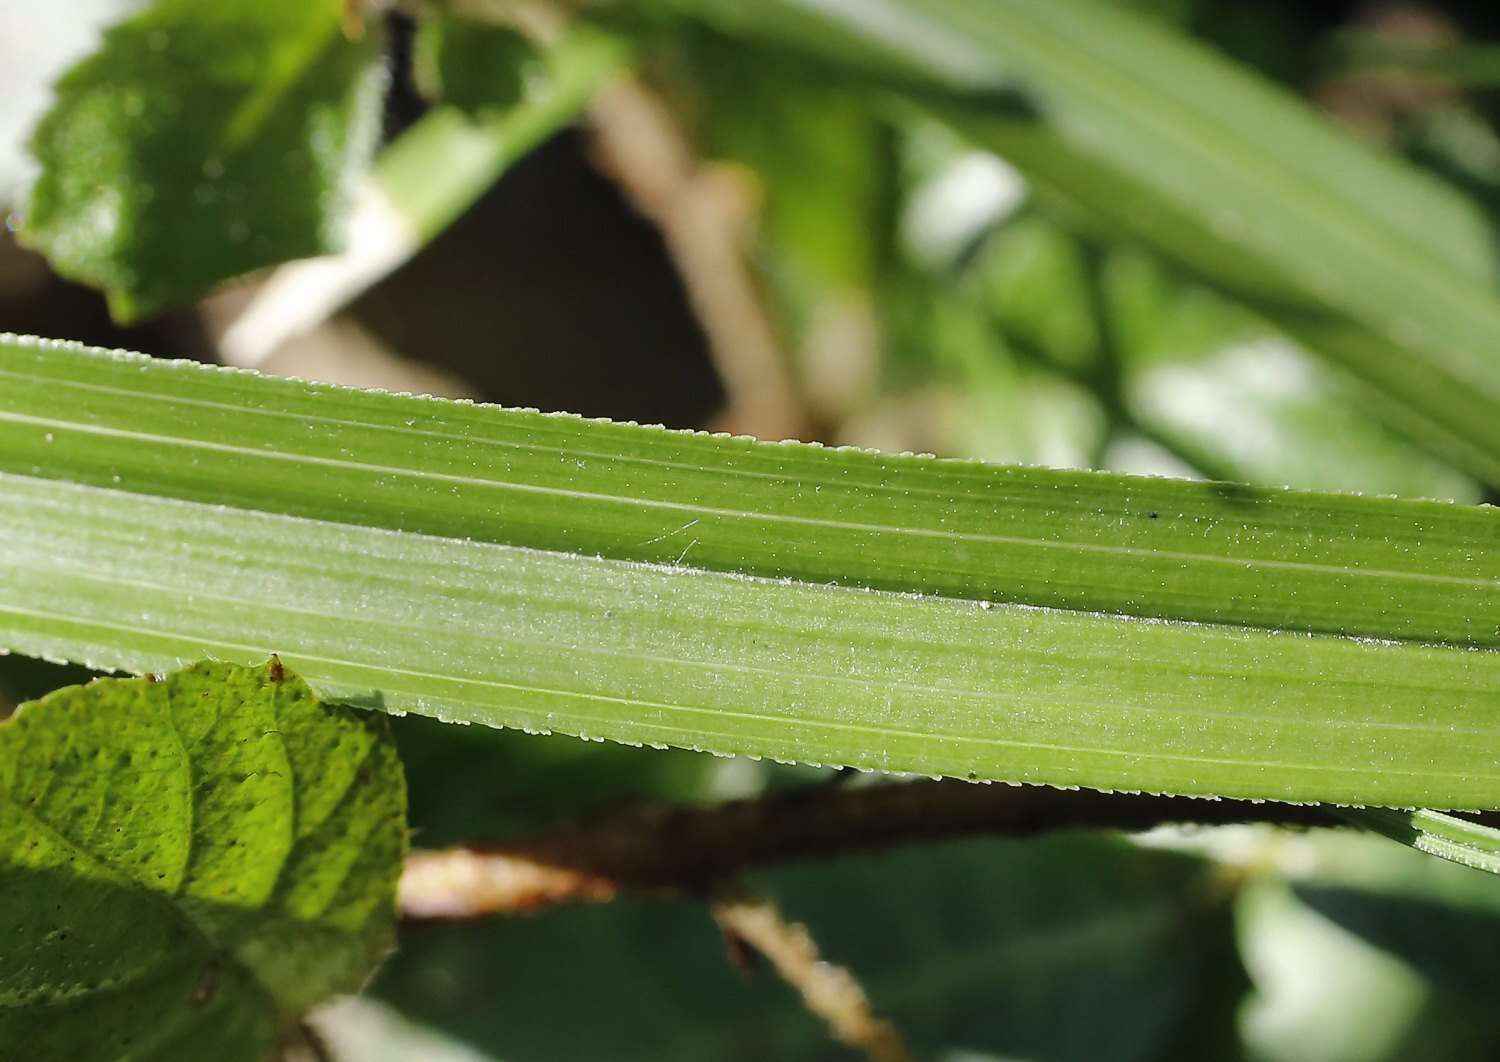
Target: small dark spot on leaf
<point x="1151" y="514"/>
<point x="276" y="671"/>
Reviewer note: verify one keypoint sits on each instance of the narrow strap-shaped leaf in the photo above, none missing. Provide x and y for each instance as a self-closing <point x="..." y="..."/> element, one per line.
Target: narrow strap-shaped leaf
<point x="490" y="565"/>
<point x="1471" y="843"/>
<point x="475" y="632"/>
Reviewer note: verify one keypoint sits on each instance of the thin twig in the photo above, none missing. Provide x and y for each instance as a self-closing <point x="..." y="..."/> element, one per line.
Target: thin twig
<point x="829" y="991"/>
<point x="697" y="849"/>
<point x="704" y="213"/>
<point x="460" y="883"/>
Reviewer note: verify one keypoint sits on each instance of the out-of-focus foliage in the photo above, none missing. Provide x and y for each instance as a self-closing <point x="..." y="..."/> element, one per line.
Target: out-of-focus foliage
<point x="474" y="66"/>
<point x="200" y="143"/>
<point x="1069" y="948"/>
<point x="1368" y="953"/>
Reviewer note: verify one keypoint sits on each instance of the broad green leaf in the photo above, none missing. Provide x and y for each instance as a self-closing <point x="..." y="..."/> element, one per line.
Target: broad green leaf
<point x="552" y="573"/>
<point x="42" y="40"/>
<point x="1368" y="261"/>
<point x="202" y="142"/>
<point x="190" y="863"/>
<point x="1059" y="949"/>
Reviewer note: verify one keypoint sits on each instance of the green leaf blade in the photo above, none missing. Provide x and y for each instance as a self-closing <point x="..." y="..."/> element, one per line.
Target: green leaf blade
<point x="163" y="853"/>
<point x="609" y="649"/>
<point x="1457" y="840"/>
<point x="831" y="606"/>
<point x="197" y="146"/>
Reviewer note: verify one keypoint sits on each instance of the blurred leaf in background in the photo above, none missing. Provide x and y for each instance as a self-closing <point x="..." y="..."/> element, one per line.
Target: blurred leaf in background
<point x="200" y="143"/>
<point x="492" y="95"/>
<point x="41" y="40"/>
<point x="1364" y="952"/>
<point x="472" y="65"/>
<point x="1068" y="948"/>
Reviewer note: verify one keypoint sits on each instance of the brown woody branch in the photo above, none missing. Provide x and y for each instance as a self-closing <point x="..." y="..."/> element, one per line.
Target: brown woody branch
<point x="696" y="849"/>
